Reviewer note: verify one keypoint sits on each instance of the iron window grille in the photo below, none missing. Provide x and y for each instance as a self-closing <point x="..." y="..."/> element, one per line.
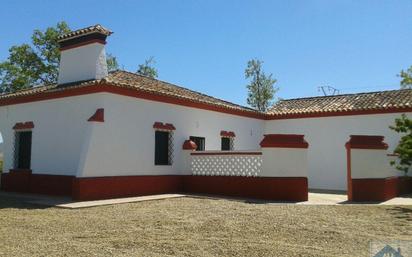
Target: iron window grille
<point x="164" y="147"/>
<point x="227" y="143"/>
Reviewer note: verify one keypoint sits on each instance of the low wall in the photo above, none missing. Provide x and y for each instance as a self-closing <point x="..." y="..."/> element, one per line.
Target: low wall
<point x="277" y="172"/>
<point x="370" y="176"/>
<point x="282" y="189"/>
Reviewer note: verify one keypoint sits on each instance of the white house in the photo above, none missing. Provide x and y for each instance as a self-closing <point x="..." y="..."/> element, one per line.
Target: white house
<point x="98" y="135"/>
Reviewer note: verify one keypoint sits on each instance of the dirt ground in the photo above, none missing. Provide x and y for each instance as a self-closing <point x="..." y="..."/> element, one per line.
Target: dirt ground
<point x="198" y="227"/>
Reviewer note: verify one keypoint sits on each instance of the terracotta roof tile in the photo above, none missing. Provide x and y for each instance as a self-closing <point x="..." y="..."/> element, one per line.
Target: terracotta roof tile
<point x="139" y="83"/>
<point x="395" y="99"/>
<point x="343" y="103"/>
<point x="92" y="29"/>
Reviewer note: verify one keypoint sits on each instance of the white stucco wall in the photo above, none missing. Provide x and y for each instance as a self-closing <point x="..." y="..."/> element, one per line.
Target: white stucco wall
<point x="284" y="162"/>
<point x="371" y="163"/>
<point x="58" y="135"/>
<point x="83" y="63"/>
<point x="127" y="136"/>
<point x="327" y="137"/>
<point x="65" y="143"/>
<point x="1" y="147"/>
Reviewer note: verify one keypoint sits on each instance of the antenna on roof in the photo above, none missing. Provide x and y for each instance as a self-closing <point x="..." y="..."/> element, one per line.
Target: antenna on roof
<point x="328" y="90"/>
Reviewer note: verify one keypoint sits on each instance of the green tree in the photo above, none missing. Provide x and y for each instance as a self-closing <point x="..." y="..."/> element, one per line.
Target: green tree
<point x="147" y="68"/>
<point x="36" y="63"/>
<point x="403" y="125"/>
<point x="112" y="63"/>
<point x="261" y="87"/>
<point x="406" y="76"/>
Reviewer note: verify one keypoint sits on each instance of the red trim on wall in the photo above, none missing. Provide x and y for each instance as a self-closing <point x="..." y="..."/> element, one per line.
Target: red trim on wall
<point x="370" y="189"/>
<point x="379" y="189"/>
<point x="349" y="172"/>
<point x="24" y="125"/>
<point x="226" y="153"/>
<point x="92" y="41"/>
<point x="284" y="141"/>
<point x="268" y="188"/>
<point x="16" y="181"/>
<point x="161" y="126"/>
<point x="289" y="189"/>
<point x="224" y="133"/>
<point x="189" y="145"/>
<point x="124" y="186"/>
<point x="51" y="184"/>
<point x="25" y="181"/>
<point x="335" y="114"/>
<point x="366" y="142"/>
<point x="98" y="116"/>
<point x="279" y="188"/>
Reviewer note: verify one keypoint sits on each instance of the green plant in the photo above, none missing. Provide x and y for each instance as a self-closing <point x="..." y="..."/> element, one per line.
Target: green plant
<point x="261" y="89"/>
<point x="403" y="125"/>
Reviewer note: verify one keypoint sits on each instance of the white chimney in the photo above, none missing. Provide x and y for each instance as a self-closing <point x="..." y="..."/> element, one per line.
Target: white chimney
<point x="82" y="55"/>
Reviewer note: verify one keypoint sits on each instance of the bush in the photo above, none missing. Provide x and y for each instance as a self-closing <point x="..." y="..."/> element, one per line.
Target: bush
<point x="404" y="148"/>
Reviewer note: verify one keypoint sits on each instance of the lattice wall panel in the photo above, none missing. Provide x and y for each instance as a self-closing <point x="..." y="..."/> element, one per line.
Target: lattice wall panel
<point x="226" y="165"/>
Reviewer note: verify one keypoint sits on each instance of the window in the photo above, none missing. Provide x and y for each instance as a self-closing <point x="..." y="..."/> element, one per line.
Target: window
<point x="227" y="140"/>
<point x="163" y="148"/>
<point x="226" y="144"/>
<point x="200" y="143"/>
<point x="22" y="154"/>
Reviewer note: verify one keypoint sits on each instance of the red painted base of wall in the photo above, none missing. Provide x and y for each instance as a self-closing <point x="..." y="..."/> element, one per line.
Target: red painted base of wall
<point x="124" y="186"/>
<point x="380" y="189"/>
<point x="286" y="189"/>
<point x="26" y="182"/>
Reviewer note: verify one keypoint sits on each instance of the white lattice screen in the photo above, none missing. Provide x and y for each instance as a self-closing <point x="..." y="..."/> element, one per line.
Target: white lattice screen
<point x="248" y="165"/>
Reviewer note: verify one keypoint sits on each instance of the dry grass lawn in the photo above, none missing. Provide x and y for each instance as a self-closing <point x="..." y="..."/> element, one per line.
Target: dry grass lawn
<point x="198" y="227"/>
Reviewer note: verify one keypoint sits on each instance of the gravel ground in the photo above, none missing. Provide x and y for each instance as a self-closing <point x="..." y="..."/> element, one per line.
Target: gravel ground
<point x="198" y="227"/>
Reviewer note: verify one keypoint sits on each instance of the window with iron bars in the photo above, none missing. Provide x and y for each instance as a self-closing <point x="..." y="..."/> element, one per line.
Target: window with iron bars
<point x="163" y="147"/>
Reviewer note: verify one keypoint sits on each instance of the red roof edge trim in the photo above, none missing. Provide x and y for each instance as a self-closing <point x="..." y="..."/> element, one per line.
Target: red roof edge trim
<point x="336" y="113"/>
<point x="161" y="126"/>
<point x="109" y="88"/>
<point x="284" y="141"/>
<point x="98" y="116"/>
<point x="366" y="142"/>
<point x="83" y="44"/>
<point x="24" y="125"/>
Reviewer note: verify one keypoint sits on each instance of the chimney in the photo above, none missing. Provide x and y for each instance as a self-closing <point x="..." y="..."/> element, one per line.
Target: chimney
<point x="82" y="54"/>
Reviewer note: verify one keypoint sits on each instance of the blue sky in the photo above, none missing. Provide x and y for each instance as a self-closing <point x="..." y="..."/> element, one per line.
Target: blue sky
<point x="354" y="46"/>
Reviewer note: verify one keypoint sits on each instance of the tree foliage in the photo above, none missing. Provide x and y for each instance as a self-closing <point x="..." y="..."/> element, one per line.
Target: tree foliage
<point x="406" y="76"/>
<point x="37" y="63"/>
<point x="147" y="68"/>
<point x="112" y="63"/>
<point x="403" y="125"/>
<point x="261" y="87"/>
